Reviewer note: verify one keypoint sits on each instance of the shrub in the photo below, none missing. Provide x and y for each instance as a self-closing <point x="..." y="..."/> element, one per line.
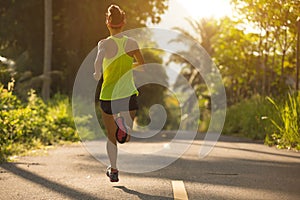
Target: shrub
<point x="89" y="126"/>
<point x="60" y="124"/>
<point x="247" y="118"/>
<point x="31" y="124"/>
<point x="275" y="121"/>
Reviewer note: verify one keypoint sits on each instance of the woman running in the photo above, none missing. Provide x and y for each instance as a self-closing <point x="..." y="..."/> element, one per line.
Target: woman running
<point x="115" y="58"/>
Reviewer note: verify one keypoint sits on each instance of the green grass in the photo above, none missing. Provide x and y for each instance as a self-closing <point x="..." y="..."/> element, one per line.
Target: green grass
<point x="287" y="123"/>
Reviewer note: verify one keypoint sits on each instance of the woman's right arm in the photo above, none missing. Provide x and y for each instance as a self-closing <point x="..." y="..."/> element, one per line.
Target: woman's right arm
<point x="138" y="56"/>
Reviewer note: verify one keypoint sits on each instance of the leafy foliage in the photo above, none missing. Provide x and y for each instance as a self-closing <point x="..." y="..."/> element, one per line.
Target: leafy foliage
<point x="247" y="118"/>
<point x="254" y="50"/>
<point x="29" y="125"/>
<point x="274" y="28"/>
<point x="77" y="28"/>
<point x="274" y="121"/>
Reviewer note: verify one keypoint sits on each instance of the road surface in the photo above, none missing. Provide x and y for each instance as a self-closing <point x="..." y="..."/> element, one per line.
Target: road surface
<point x="235" y="169"/>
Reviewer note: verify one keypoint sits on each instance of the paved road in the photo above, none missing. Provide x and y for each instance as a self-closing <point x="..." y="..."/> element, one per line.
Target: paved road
<point x="235" y="169"/>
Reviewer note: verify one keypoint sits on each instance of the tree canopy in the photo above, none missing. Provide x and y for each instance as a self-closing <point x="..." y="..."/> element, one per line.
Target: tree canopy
<point x="255" y="50"/>
<point x="77" y="27"/>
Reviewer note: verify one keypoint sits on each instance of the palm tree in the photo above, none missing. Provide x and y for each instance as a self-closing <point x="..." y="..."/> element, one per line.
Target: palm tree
<point x="204" y="32"/>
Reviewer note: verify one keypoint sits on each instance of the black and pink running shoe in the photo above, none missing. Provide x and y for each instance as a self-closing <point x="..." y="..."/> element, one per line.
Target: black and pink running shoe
<point x="121" y="133"/>
<point x="112" y="174"/>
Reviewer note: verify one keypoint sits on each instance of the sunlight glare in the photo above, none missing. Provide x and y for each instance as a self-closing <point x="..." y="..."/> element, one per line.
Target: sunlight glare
<point x="207" y="8"/>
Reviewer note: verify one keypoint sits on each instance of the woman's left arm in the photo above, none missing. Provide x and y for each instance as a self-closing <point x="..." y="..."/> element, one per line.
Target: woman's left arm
<point x="99" y="60"/>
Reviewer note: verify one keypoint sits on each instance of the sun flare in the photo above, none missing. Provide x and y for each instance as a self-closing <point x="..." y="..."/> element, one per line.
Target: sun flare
<point x="206" y="8"/>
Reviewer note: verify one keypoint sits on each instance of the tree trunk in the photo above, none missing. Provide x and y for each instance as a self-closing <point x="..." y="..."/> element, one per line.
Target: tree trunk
<point x="47" y="50"/>
<point x="265" y="65"/>
<point x="298" y="54"/>
<point x="282" y="64"/>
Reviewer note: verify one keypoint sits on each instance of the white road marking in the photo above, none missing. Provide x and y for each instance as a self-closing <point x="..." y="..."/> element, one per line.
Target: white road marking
<point x="179" y="190"/>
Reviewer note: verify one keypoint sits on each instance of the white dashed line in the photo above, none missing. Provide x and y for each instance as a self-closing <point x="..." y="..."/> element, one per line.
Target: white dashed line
<point x="179" y="190"/>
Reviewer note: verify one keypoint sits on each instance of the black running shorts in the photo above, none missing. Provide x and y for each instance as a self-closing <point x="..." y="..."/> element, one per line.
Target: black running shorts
<point x="119" y="105"/>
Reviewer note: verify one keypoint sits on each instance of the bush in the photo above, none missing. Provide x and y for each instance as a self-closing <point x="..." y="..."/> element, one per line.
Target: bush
<point x="275" y="121"/>
<point x="60" y="123"/>
<point x="247" y="118"/>
<point x="89" y="126"/>
<point x="24" y="126"/>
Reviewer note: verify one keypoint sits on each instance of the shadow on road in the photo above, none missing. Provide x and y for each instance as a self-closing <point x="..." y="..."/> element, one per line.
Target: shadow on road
<point x="259" y="152"/>
<point x="142" y="196"/>
<point x="260" y="175"/>
<point x="51" y="185"/>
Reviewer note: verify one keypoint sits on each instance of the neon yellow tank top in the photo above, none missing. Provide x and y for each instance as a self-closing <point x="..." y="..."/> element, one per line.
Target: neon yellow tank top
<point x="118" y="80"/>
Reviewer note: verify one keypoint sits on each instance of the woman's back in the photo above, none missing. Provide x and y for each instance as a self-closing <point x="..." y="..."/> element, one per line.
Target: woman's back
<point x="117" y="69"/>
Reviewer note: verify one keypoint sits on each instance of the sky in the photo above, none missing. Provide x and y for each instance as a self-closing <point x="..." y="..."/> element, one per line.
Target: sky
<point x="206" y="8"/>
<point x="176" y="15"/>
<point x="179" y="10"/>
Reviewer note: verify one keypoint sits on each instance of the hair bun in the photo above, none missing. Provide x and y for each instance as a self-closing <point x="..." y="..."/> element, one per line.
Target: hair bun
<point x="113" y="9"/>
<point x="115" y="14"/>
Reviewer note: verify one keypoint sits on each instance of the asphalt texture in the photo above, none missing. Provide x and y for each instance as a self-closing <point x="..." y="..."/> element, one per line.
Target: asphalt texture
<point x="235" y="169"/>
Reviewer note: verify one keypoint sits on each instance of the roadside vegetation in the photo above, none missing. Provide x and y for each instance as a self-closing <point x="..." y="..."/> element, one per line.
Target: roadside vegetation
<point x="272" y="120"/>
<point x="255" y="51"/>
<point x="33" y="124"/>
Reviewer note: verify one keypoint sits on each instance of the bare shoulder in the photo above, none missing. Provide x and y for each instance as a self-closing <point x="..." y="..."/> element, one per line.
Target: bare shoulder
<point x="101" y="44"/>
<point x="108" y="44"/>
<point x="132" y="41"/>
<point x="132" y="44"/>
